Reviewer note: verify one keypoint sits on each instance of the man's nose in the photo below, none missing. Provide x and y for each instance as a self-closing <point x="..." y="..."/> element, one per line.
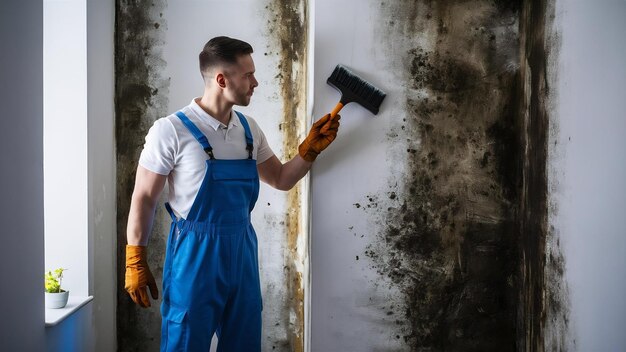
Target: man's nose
<point x="255" y="83"/>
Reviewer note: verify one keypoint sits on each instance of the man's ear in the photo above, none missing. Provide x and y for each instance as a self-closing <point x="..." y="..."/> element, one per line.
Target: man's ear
<point x="220" y="80"/>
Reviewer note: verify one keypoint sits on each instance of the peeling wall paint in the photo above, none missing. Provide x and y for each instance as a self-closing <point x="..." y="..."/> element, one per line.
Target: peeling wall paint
<point x="141" y="97"/>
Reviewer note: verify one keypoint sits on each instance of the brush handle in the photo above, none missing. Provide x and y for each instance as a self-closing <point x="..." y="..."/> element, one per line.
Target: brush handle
<point x="336" y="110"/>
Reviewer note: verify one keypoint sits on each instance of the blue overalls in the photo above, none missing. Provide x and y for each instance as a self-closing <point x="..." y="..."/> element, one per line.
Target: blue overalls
<point x="211" y="274"/>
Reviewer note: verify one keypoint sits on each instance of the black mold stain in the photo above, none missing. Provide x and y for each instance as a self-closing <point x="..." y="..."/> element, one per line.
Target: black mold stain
<point x="531" y="300"/>
<point x="452" y="245"/>
<point x="466" y="243"/>
<point x="140" y="98"/>
<point x="543" y="310"/>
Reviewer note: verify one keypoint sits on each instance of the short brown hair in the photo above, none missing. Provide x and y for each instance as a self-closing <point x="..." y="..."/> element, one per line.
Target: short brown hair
<point x="222" y="50"/>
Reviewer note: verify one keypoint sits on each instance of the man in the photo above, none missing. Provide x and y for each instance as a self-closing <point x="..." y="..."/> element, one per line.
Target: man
<point x="212" y="158"/>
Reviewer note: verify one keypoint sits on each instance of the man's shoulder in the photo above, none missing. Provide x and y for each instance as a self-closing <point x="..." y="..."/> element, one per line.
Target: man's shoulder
<point x="173" y="123"/>
<point x="164" y="125"/>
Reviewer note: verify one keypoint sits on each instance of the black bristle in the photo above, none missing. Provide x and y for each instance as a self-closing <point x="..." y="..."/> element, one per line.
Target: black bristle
<point x="354" y="89"/>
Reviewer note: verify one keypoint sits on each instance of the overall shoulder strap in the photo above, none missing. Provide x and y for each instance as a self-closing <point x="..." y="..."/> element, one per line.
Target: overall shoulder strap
<point x="195" y="131"/>
<point x="246" y="128"/>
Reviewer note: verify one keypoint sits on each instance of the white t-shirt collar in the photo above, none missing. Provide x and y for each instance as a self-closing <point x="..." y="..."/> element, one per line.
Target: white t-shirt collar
<point x="212" y="121"/>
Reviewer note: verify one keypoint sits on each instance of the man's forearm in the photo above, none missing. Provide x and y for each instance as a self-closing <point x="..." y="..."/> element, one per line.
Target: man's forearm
<point x="140" y="220"/>
<point x="292" y="171"/>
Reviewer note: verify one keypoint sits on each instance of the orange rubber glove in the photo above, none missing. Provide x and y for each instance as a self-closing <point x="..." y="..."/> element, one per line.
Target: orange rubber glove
<point x="323" y="132"/>
<point x="138" y="276"/>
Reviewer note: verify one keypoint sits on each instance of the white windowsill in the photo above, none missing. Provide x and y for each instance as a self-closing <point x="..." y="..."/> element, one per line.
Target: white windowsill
<point x="55" y="316"/>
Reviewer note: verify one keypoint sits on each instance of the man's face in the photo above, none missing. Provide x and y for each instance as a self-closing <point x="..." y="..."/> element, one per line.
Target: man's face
<point x="240" y="81"/>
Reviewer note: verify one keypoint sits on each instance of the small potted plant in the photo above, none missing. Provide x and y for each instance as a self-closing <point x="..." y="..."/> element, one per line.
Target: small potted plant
<point x="56" y="297"/>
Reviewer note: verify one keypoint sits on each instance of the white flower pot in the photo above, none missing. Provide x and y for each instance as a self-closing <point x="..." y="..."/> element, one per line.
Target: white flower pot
<point x="56" y="300"/>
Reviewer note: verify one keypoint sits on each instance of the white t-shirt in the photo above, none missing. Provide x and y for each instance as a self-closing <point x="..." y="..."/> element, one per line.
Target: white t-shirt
<point x="172" y="150"/>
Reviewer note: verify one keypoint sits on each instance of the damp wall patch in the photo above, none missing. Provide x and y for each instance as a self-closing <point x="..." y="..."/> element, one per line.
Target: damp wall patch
<point x="451" y="242"/>
<point x="140" y="98"/>
<point x="558" y="333"/>
<point x="454" y="232"/>
<point x="287" y="24"/>
<point x="543" y="322"/>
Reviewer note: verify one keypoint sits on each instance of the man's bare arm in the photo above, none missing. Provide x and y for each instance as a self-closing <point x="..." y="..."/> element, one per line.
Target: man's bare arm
<point x="283" y="176"/>
<point x="148" y="188"/>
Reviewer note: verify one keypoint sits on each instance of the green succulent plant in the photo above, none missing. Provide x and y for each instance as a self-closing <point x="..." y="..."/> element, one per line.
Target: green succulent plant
<point x="53" y="281"/>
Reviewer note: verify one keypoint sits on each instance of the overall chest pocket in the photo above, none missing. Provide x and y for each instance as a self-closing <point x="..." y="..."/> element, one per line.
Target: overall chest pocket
<point x="234" y="186"/>
<point x="235" y="170"/>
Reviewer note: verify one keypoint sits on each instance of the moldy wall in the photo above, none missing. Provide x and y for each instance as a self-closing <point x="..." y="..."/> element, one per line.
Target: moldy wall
<point x="449" y="233"/>
<point x="451" y="243"/>
<point x="141" y="97"/>
<point x="157" y="44"/>
<point x="288" y="31"/>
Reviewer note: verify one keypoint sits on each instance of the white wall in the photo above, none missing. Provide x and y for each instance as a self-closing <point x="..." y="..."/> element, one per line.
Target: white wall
<point x="590" y="175"/>
<point x="21" y="179"/>
<point x="65" y="141"/>
<point x="347" y="306"/>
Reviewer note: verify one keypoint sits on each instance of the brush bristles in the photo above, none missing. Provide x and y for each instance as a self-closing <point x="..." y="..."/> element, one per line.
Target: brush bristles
<point x="364" y="93"/>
